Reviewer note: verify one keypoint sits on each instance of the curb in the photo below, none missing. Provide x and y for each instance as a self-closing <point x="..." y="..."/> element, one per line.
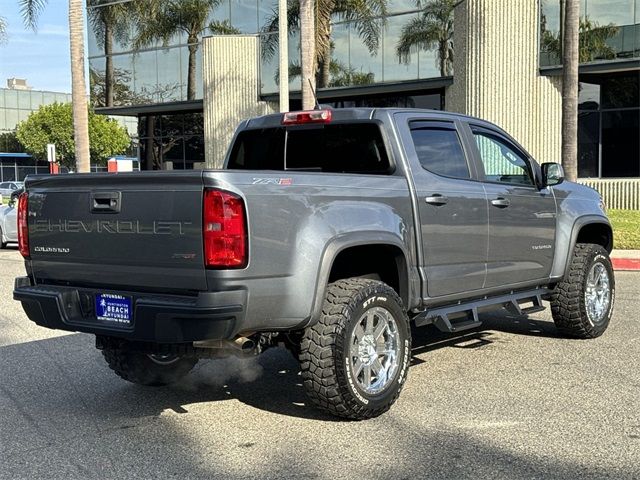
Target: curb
<point x="626" y="264"/>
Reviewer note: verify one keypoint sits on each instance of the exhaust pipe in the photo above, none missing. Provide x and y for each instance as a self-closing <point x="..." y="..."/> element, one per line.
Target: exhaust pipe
<point x="240" y="346"/>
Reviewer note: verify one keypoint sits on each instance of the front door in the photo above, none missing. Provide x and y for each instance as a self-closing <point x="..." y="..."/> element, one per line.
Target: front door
<point x="451" y="206"/>
<point x="522" y="217"/>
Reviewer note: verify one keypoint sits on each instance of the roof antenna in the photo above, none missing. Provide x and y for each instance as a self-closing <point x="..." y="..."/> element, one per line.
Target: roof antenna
<point x="315" y="98"/>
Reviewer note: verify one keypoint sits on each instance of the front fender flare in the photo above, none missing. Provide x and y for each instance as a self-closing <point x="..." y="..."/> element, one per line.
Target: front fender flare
<point x="565" y="245"/>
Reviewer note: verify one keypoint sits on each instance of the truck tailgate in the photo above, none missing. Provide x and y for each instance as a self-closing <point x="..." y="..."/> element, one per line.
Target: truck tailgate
<point x="126" y="230"/>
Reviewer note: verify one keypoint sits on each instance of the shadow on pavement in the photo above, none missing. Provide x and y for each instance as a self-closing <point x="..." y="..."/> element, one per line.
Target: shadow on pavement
<point x="59" y="397"/>
<point x="270" y="382"/>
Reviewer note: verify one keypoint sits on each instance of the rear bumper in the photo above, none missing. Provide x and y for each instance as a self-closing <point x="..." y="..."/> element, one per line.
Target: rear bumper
<point x="156" y="318"/>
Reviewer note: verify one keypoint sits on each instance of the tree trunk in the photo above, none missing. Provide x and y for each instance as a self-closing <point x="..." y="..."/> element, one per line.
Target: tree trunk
<point x="191" y="75"/>
<point x="325" y="76"/>
<point x="570" y="61"/>
<point x="78" y="86"/>
<point x="443" y="54"/>
<point x="149" y="155"/>
<point x="325" y="32"/>
<point x="108" y="75"/>
<point x="307" y="53"/>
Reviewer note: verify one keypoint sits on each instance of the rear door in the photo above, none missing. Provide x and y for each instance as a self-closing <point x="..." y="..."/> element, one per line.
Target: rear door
<point x="522" y="217"/>
<point x="451" y="205"/>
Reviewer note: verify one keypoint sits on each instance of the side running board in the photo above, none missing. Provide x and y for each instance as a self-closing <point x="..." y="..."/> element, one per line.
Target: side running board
<point x="464" y="315"/>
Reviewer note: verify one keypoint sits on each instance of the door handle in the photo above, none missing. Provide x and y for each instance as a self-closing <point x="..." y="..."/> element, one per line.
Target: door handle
<point x="436" y="199"/>
<point x="106" y="202"/>
<point x="500" y="202"/>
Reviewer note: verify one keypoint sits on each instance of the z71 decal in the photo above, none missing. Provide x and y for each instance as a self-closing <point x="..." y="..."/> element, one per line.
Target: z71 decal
<point x="272" y="181"/>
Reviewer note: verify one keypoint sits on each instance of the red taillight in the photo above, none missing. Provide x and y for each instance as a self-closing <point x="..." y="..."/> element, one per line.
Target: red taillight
<point x="23" y="226"/>
<point x="224" y="230"/>
<point x="306" y="116"/>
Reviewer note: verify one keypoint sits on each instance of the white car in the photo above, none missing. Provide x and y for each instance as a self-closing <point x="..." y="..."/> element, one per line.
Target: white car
<point x="7" y="188"/>
<point x="9" y="223"/>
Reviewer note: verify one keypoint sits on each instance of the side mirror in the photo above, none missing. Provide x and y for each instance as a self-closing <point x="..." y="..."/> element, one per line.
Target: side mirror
<point x="552" y="174"/>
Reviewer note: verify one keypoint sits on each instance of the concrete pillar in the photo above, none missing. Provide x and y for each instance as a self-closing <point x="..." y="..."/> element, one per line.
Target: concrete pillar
<point x="496" y="74"/>
<point x="230" y="70"/>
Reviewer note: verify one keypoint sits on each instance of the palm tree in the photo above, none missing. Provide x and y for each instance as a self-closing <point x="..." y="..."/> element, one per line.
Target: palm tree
<point x="432" y="29"/>
<point x="109" y="22"/>
<point x="31" y="10"/>
<point x="570" y="62"/>
<point x="365" y="16"/>
<point x="161" y="20"/>
<point x="308" y="46"/>
<point x="341" y="75"/>
<point x="593" y="40"/>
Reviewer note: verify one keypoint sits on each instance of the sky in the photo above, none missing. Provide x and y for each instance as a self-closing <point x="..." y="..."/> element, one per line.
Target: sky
<point x="43" y="57"/>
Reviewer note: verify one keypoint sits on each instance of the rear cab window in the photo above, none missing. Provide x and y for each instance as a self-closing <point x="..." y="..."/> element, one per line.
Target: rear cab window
<point x="336" y="148"/>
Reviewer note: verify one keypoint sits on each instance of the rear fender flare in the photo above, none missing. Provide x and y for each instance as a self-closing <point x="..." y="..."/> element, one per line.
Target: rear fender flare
<point x="340" y="243"/>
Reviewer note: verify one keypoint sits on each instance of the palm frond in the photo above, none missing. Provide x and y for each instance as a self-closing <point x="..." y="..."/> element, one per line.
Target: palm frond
<point x="30" y="11"/>
<point x="116" y="16"/>
<point x="417" y="34"/>
<point x="367" y="17"/>
<point x="217" y="27"/>
<point x="295" y="70"/>
<point x="269" y="37"/>
<point x="3" y="30"/>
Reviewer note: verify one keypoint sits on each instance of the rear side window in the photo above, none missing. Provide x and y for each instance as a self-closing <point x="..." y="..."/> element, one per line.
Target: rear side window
<point x="439" y="150"/>
<point x="337" y="148"/>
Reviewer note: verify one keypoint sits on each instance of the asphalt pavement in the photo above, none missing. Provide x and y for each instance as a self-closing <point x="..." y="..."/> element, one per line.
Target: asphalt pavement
<point x="509" y="400"/>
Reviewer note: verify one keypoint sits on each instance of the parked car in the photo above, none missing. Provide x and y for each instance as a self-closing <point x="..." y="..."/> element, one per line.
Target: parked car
<point x="327" y="231"/>
<point x="6" y="188"/>
<point x="9" y="220"/>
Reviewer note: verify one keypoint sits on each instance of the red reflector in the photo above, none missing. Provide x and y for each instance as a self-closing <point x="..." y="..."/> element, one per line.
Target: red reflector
<point x="23" y="226"/>
<point x="306" y="116"/>
<point x="224" y="230"/>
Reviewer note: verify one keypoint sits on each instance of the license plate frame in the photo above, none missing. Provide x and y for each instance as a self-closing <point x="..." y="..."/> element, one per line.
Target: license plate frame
<point x="114" y="309"/>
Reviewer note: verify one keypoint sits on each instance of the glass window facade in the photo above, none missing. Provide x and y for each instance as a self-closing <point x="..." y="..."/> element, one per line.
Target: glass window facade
<point x="609" y="125"/>
<point x="133" y="65"/>
<point x="17" y="168"/>
<point x="353" y="60"/>
<point x="173" y="141"/>
<point x="17" y="105"/>
<point x="147" y="67"/>
<point x="609" y="30"/>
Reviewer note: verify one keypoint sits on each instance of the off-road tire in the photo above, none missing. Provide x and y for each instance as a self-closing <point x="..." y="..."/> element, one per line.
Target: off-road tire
<point x="324" y="358"/>
<point x="568" y="303"/>
<point x="138" y="367"/>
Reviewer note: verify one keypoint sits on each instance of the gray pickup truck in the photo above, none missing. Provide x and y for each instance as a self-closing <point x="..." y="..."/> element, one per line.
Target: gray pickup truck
<point x="328" y="232"/>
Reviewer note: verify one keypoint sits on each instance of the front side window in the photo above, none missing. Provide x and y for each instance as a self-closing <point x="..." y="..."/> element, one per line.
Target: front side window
<point x="439" y="150"/>
<point x="502" y="162"/>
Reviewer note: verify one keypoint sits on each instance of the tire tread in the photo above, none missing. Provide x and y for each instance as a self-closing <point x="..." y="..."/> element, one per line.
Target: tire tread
<point x="320" y="373"/>
<point x="567" y="304"/>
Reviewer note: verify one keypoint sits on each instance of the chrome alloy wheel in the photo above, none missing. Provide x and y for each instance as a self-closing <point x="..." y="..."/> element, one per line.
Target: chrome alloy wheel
<point x="597" y="295"/>
<point x="163" y="359"/>
<point x="373" y="350"/>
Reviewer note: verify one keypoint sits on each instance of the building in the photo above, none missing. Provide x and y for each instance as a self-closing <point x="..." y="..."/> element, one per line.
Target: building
<point x="16" y="103"/>
<point x="190" y="89"/>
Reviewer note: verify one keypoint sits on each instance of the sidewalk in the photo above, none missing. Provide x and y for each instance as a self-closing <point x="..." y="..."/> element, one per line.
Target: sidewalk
<point x="626" y="260"/>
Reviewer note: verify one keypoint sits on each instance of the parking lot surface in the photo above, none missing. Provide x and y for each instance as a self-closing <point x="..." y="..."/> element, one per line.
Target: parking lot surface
<point x="509" y="400"/>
